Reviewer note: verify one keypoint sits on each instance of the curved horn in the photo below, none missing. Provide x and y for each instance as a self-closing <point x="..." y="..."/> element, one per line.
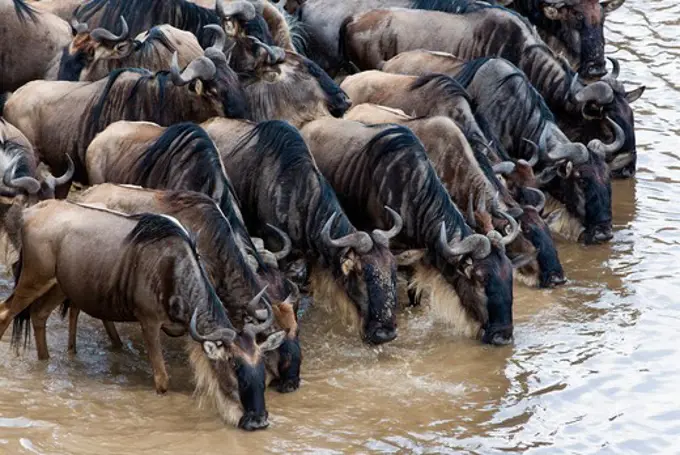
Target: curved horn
<point x="78" y="27"/>
<point x="276" y="54"/>
<point x="476" y="244"/>
<point x="359" y="241"/>
<point x="101" y="34"/>
<point x="606" y="150"/>
<point x="254" y="329"/>
<point x="397" y="225"/>
<point x="223" y="333"/>
<point x="541" y="198"/>
<point x="201" y="68"/>
<point x="533" y="161"/>
<point x="287" y="243"/>
<point x="472" y="221"/>
<point x="514" y="232"/>
<point x="27" y="183"/>
<point x="572" y="151"/>
<point x="54" y="182"/>
<point x="240" y="8"/>
<point x="504" y="167"/>
<point x="220" y="39"/>
<point x="616" y="67"/>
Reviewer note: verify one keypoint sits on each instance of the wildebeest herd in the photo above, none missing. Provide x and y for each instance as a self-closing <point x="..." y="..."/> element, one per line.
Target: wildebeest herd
<point x="244" y="155"/>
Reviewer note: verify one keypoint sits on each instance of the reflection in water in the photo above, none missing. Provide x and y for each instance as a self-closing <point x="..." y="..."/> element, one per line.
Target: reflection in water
<point x="593" y="368"/>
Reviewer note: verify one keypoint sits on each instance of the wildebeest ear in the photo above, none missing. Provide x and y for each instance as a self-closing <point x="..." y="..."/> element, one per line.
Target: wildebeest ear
<point x="177" y="310"/>
<point x="634" y="95"/>
<point x="349" y="263"/>
<point x="564" y="170"/>
<point x="611" y="5"/>
<point x="273" y="341"/>
<point x="409" y="257"/>
<point x="552" y="13"/>
<point x="212" y="350"/>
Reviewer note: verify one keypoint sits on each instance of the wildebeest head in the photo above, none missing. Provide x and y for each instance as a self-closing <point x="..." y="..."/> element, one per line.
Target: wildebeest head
<point x="535" y="230"/>
<point x="288" y="86"/>
<point x="89" y="47"/>
<point x="606" y="122"/>
<point x="21" y="178"/>
<point x="581" y="181"/>
<point x="577" y="25"/>
<point x="368" y="273"/>
<point x="481" y="274"/>
<point x="211" y="78"/>
<point x="236" y="363"/>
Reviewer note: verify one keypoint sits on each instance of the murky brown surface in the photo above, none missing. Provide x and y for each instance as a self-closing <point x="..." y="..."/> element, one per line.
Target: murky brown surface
<point x="595" y="366"/>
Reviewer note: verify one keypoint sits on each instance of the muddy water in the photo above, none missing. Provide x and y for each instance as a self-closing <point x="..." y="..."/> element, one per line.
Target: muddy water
<point x="594" y="368"/>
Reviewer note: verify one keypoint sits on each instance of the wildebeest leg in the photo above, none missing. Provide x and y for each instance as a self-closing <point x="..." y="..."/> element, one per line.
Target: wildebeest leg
<point x="151" y="331"/>
<point x="113" y="334"/>
<point x="73" y="314"/>
<point x="21" y="298"/>
<point x="40" y="312"/>
<point x="413" y="297"/>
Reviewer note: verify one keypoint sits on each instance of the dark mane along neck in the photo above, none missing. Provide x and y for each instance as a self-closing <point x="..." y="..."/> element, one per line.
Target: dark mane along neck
<point x="549" y="74"/>
<point x="400" y="164"/>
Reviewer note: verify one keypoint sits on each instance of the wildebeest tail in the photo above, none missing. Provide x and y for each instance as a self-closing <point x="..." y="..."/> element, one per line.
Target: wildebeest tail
<point x="22" y="320"/>
<point x="347" y="63"/>
<point x="24" y="11"/>
<point x="3" y="99"/>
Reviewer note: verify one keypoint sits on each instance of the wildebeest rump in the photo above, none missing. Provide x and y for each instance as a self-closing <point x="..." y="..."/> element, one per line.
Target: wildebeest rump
<point x="31" y="40"/>
<point x="94" y="257"/>
<point x="278" y="182"/>
<point x="468" y="275"/>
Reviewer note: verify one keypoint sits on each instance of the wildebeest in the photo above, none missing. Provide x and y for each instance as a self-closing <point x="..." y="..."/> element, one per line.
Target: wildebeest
<point x="94" y="258"/>
<point x="32" y="40"/>
<point x="228" y="262"/>
<point x="468" y="276"/>
<point x="582" y="111"/>
<point x="277" y="182"/>
<point x="61" y="118"/>
<point x="574" y="28"/>
<point x="475" y="192"/>
<point x="518" y="116"/>
<point x="93" y="54"/>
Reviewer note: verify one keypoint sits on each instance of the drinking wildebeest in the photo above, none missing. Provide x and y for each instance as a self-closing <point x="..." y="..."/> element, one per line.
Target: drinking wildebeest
<point x="473" y="191"/>
<point x="353" y="272"/>
<point x="518" y="116"/>
<point x="582" y="111"/>
<point x="95" y="258"/>
<point x="235" y="268"/>
<point x="468" y="276"/>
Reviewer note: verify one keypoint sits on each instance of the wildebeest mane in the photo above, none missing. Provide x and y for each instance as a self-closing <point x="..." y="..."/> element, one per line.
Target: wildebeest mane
<point x="431" y="200"/>
<point x="181" y="146"/>
<point x="283" y="143"/>
<point x="469" y="69"/>
<point x="446" y="84"/>
<point x="213" y="223"/>
<point x="143" y="14"/>
<point x="459" y="6"/>
<point x="547" y="76"/>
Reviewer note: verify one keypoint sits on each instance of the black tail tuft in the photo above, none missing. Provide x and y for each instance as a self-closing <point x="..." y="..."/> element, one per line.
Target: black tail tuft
<point x="64" y="308"/>
<point x="347" y="63"/>
<point x="21" y="327"/>
<point x="3" y="99"/>
<point x="24" y="11"/>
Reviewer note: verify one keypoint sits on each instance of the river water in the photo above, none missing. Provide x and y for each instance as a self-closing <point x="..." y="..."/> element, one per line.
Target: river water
<point x="594" y="367"/>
